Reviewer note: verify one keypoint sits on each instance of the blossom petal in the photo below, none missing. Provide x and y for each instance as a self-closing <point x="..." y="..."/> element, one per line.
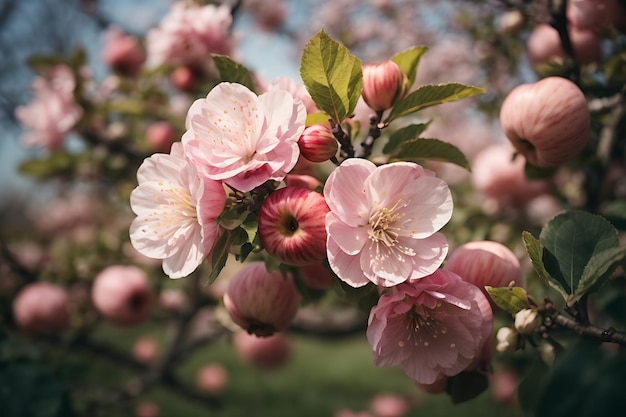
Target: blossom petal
<point x="345" y="194"/>
<point x="349" y="239"/>
<point x="344" y="265"/>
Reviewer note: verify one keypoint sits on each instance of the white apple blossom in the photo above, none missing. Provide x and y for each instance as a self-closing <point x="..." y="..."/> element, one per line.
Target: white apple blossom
<point x="176" y="212"/>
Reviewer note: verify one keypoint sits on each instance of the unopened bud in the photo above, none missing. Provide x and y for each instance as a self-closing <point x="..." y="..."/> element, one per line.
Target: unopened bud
<point x="317" y="143"/>
<point x="261" y="302"/>
<point x="508" y="340"/>
<point x="547" y="353"/>
<point x="383" y="84"/>
<point x="527" y="321"/>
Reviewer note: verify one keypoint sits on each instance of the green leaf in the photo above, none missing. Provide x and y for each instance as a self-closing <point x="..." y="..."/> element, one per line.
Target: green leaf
<point x="332" y="76"/>
<point x="598" y="270"/>
<point x="431" y="149"/>
<point x="408" y="60"/>
<point x="531" y="386"/>
<point x="219" y="256"/>
<point x="400" y="136"/>
<point x="233" y="72"/>
<point x="316" y="118"/>
<point x="534" y="248"/>
<point x="59" y="163"/>
<point x="570" y="240"/>
<point x="431" y="95"/>
<point x="232" y="218"/>
<point x="509" y="299"/>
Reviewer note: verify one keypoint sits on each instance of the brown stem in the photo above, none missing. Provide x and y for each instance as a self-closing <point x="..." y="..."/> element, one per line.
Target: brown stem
<point x="553" y="317"/>
<point x="373" y="134"/>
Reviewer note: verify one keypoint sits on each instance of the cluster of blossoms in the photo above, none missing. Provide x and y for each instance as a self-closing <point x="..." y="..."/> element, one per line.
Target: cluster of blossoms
<point x="373" y="224"/>
<point x="53" y="112"/>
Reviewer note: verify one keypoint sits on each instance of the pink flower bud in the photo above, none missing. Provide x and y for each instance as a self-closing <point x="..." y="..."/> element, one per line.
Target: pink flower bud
<point x="122" y="294"/>
<point x="383" y="84"/>
<point x="212" y="378"/>
<point x="123" y="53"/>
<point x="183" y="79"/>
<point x="261" y="302"/>
<point x="317" y="143"/>
<point x="160" y="135"/>
<point x="262" y="352"/>
<point x="41" y="307"/>
<point x="485" y="263"/>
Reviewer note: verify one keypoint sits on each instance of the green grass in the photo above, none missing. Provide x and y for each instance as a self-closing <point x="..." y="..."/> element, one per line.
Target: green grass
<point x="320" y="378"/>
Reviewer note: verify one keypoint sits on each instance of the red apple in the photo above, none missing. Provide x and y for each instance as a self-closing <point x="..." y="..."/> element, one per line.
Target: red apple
<point x="547" y="121"/>
<point x="122" y="294"/>
<point x="261" y="302"/>
<point x="292" y="225"/>
<point x="262" y="352"/>
<point x="41" y="307"/>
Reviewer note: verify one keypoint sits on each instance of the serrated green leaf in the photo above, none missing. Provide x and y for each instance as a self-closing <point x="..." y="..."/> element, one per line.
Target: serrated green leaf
<point x="431" y="149"/>
<point x="233" y="72"/>
<point x="219" y="256"/>
<point x="400" y="136"/>
<point x="509" y="299"/>
<point x="431" y="95"/>
<point x="408" y="60"/>
<point x="332" y="76"/>
<point x="534" y="248"/>
<point x="598" y="270"/>
<point x="570" y="241"/>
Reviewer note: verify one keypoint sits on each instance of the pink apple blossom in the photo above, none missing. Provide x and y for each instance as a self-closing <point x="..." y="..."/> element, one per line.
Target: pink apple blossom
<point x="298" y="90"/>
<point x="189" y="33"/>
<point x="383" y="222"/>
<point x="176" y="212"/>
<point x="244" y="139"/>
<point x="432" y="327"/>
<point x="53" y="112"/>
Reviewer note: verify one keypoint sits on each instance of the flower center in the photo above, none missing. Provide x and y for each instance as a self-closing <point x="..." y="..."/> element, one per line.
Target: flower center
<point x="384" y="225"/>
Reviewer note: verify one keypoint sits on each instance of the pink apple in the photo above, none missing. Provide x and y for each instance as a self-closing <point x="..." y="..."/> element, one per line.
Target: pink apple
<point x="547" y="121"/>
<point x="317" y="143"/>
<point x="485" y="262"/>
<point x="122" y="294"/>
<point x="383" y="84"/>
<point x="261" y="302"/>
<point x="292" y="225"/>
<point x="262" y="352"/>
<point x="502" y="179"/>
<point x="212" y="378"/>
<point x="41" y="307"/>
<point x="544" y="46"/>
